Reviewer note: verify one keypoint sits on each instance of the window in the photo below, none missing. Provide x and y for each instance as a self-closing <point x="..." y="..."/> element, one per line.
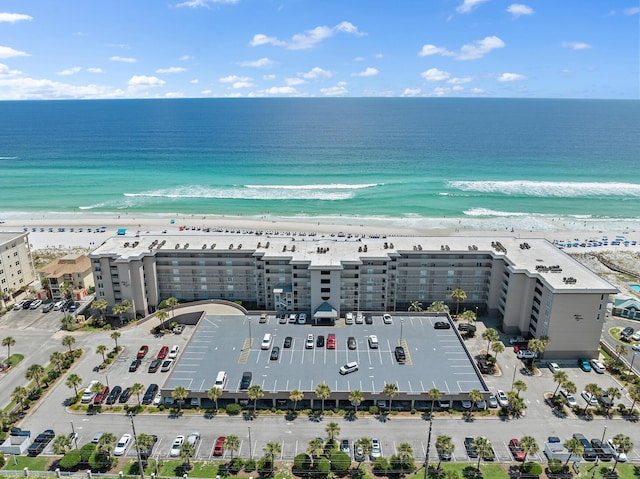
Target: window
<point x="325" y="290"/>
<point x="325" y="281"/>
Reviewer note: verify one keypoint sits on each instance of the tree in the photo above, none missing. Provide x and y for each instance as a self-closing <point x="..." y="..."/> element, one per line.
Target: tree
<point x="438" y="307"/>
<point x="254" y="393"/>
<point x="144" y="442"/>
<point x="97" y="388"/>
<point x="61" y="444"/>
<point x="575" y="448"/>
<point x="187" y="450"/>
<point x="475" y="396"/>
<point x="179" y="394"/>
<point x="390" y="390"/>
<point x="519" y="386"/>
<point x="332" y="429"/>
<point x="9" y="341"/>
<point x="323" y="392"/>
<point x="516" y="404"/>
<point x="172" y="303"/>
<point x="137" y="389"/>
<point x="529" y="446"/>
<point x="415" y="307"/>
<point x="100" y="305"/>
<point x="434" y="394"/>
<point x="35" y="372"/>
<point x="366" y="444"/>
<point x="634" y="394"/>
<point x="623" y="444"/>
<point x="120" y="309"/>
<point x="66" y="290"/>
<point x="444" y="446"/>
<point x="106" y="443"/>
<point x="594" y="390"/>
<point x="20" y="394"/>
<point x="458" y="296"/>
<point x="57" y="358"/>
<point x="101" y="349"/>
<point x="73" y="381"/>
<point x="482" y="445"/>
<point x="115" y="335"/>
<point x="561" y="378"/>
<point x="271" y="449"/>
<point x="537" y="346"/>
<point x="162" y="316"/>
<point x="614" y="393"/>
<point x="490" y="335"/>
<point x="621" y="350"/>
<point x="68" y="341"/>
<point x="232" y="444"/>
<point x="356" y="397"/>
<point x="214" y="393"/>
<point x="405" y="451"/>
<point x="497" y="348"/>
<point x="295" y="396"/>
<point x="315" y="448"/>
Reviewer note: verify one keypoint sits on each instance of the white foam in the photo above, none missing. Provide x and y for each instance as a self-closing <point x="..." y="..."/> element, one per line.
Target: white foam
<point x="561" y="189"/>
<point x="8" y="157"/>
<point x="332" y="186"/>
<point x="489" y="212"/>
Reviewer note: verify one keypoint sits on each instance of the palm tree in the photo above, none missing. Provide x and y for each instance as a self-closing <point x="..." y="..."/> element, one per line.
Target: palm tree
<point x="497" y="347"/>
<point x="137" y="389"/>
<point x="9" y="341"/>
<point x="100" y="349"/>
<point x="20" y="394"/>
<point x="444" y="446"/>
<point x="66" y="290"/>
<point x="405" y="451"/>
<point x="623" y="444"/>
<point x="106" y="443"/>
<point x="232" y="444"/>
<point x="101" y="306"/>
<point x="254" y="393"/>
<point x="475" y="396"/>
<point x="73" y="381"/>
<point x="97" y="387"/>
<point x="295" y="396"/>
<point x="483" y="446"/>
<point x="614" y="393"/>
<point x="323" y="392"/>
<point x="390" y="390"/>
<point x="366" y="444"/>
<point x="458" y="296"/>
<point x="575" y="448"/>
<point x="594" y="390"/>
<point x="271" y="449"/>
<point x="356" y="397"/>
<point x="519" y="386"/>
<point x="561" y="378"/>
<point x="162" y="316"/>
<point x="115" y="335"/>
<point x="144" y="441"/>
<point x="57" y="358"/>
<point x="438" y="307"/>
<point x="187" y="450"/>
<point x="315" y="448"/>
<point x="529" y="446"/>
<point x="68" y="341"/>
<point x="516" y="404"/>
<point x="490" y="335"/>
<point x="61" y="444"/>
<point x="621" y="350"/>
<point x="537" y="346"/>
<point x="434" y="394"/>
<point x="415" y="307"/>
<point x="179" y="394"/>
<point x="120" y="309"/>
<point x="214" y="393"/>
<point x="570" y="387"/>
<point x="172" y="302"/>
<point x="634" y="394"/>
<point x="35" y="372"/>
<point x="332" y="429"/>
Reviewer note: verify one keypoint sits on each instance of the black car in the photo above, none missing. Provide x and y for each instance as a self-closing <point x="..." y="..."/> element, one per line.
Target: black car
<point x="150" y="393"/>
<point x="275" y="353"/>
<point x="114" y="395"/>
<point x="320" y="341"/>
<point x="27" y="304"/>
<point x="627" y="333"/>
<point x="155" y="365"/>
<point x="287" y="342"/>
<point x="352" y="344"/>
<point x="588" y="454"/>
<point x="124" y="397"/>
<point x="368" y="319"/>
<point x="602" y="450"/>
<point x="135" y="364"/>
<point x="401" y="357"/>
<point x="40" y="442"/>
<point x="245" y="382"/>
<point x="441" y="325"/>
<point x="605" y="400"/>
<point x="466" y="327"/>
<point x="146" y="453"/>
<point x="468" y="445"/>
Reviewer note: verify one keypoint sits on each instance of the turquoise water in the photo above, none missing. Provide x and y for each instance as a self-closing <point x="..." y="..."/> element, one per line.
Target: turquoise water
<point x="492" y="161"/>
<point x="635" y="287"/>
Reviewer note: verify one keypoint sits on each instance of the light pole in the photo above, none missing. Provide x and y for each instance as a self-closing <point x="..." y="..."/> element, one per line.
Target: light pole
<point x="250" y="340"/>
<point x="135" y="438"/>
<point x="401" y="326"/>
<point x="250" y="453"/>
<point x="73" y="432"/>
<point x="426" y="457"/>
<point x="633" y="358"/>
<point x="515" y="369"/>
<point x="595" y="467"/>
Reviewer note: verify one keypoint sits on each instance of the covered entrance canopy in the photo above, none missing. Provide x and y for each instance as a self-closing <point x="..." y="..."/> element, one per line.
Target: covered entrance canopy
<point x="325" y="314"/>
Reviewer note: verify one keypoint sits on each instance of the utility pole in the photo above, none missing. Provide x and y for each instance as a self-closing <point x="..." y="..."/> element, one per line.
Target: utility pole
<point x="135" y="438"/>
<point x="426" y="458"/>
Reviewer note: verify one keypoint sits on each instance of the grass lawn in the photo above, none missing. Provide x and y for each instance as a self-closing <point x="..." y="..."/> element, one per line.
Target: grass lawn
<point x="489" y="471"/>
<point x="625" y="471"/>
<point x="15" y="359"/>
<point x="33" y="463"/>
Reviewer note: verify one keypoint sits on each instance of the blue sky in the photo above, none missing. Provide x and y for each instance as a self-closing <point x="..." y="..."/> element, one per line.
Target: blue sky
<point x="319" y="48"/>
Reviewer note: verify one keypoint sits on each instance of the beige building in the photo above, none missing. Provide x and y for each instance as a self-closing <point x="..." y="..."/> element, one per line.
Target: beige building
<point x="534" y="289"/>
<point x="74" y="270"/>
<point x="16" y="265"/>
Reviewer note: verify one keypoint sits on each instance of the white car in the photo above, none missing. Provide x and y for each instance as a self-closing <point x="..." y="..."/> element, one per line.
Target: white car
<point x="18" y="305"/>
<point x="386" y="318"/>
<point x="554" y="367"/>
<point x="635" y="336"/>
<point x="636" y="347"/>
<point x="620" y="456"/>
<point x="525" y="354"/>
<point x="157" y="400"/>
<point x="302" y="318"/>
<point x="502" y="398"/>
<point x="349" y="368"/>
<point x="309" y="343"/>
<point x="589" y="398"/>
<point x="121" y="447"/>
<point x="348" y="318"/>
<point x="376" y="451"/>
<point x="571" y="401"/>
<point x="597" y="366"/>
<point x="175" y="447"/>
<point x="359" y="318"/>
<point x="166" y="365"/>
<point x="36" y="304"/>
<point x="193" y="438"/>
<point x="174" y="351"/>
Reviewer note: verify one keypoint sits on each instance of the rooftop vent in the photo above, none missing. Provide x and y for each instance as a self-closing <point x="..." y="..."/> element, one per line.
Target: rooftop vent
<point x="186" y="245"/>
<point x="177" y="246"/>
<point x="213" y="246"/>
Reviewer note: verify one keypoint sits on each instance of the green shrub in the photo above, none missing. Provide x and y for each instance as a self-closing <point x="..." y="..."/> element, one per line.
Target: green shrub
<point x="532" y="468"/>
<point x="374" y="409"/>
<point x="99" y="461"/>
<point x="340" y="462"/>
<point x="235" y="465"/>
<point x="86" y="451"/>
<point x="556" y="466"/>
<point x="1" y="461"/>
<point x="70" y="459"/>
<point x="233" y="409"/>
<point x="250" y="465"/>
<point x="301" y="464"/>
<point x="323" y="466"/>
<point x="380" y="466"/>
<point x="265" y="466"/>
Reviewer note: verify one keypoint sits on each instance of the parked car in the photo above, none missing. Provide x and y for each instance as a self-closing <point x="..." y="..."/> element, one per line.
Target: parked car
<point x="584" y="365"/>
<point x="331" y="341"/>
<point x="373" y="341"/>
<point x="635" y="336"/>
<point x="124" y="397"/>
<point x="502" y="398"/>
<point x="620" y="456"/>
<point x="245" y="382"/>
<point x="349" y="368"/>
<point x="345" y="447"/>
<point x="352" y="343"/>
<point x="173" y="353"/>
<point x="441" y="325"/>
<point x="597" y="366"/>
<point x="401" y="357"/>
<point x="376" y="450"/>
<point x="166" y="365"/>
<point x="626" y="333"/>
<point x="275" y="353"/>
<point x="302" y="318"/>
<point x="146" y="453"/>
<point x="287" y="342"/>
<point x="193" y="438"/>
<point x="150" y="394"/>
<point x="19" y="305"/>
<point x="164" y="350"/>
<point x="569" y="398"/>
<point x="101" y="396"/>
<point x="218" y="448"/>
<point x="176" y="445"/>
<point x="155" y="365"/>
<point x="135" y="364"/>
<point x="263" y="318"/>
<point x="358" y="452"/>
<point x="348" y="318"/>
<point x="554" y="367"/>
<point x="359" y="318"/>
<point x="525" y="354"/>
<point x="121" y="446"/>
<point x="114" y="395"/>
<point x="282" y="319"/>
<point x="589" y="398"/>
<point x="386" y="318"/>
<point x="493" y="401"/>
<point x="47" y="307"/>
<point x="368" y="319"/>
<point x="36" y="304"/>
<point x="516" y="451"/>
<point x="309" y="343"/>
<point x="320" y="341"/>
<point x="471" y="450"/>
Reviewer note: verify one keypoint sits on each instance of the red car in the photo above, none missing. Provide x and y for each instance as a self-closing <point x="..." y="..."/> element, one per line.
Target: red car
<point x="331" y="341"/>
<point x="516" y="450"/>
<point x="218" y="449"/>
<point x="101" y="396"/>
<point x="163" y="352"/>
<point x="142" y="352"/>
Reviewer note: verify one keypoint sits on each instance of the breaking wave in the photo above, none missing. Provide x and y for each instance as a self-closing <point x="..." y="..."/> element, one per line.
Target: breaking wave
<point x="560" y="189"/>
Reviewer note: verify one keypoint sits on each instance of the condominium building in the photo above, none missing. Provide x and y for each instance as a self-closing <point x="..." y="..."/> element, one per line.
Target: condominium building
<point x="72" y="271"/>
<point x="531" y="286"/>
<point x="16" y="265"/>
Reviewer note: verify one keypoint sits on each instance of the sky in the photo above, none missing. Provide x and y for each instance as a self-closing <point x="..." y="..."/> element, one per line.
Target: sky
<point x="99" y="49"/>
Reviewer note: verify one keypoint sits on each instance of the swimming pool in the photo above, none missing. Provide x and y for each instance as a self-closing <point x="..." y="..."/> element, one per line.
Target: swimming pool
<point x="635" y="287"/>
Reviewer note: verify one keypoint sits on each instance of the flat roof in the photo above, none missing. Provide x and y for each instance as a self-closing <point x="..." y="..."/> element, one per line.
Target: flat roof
<point x="435" y="357"/>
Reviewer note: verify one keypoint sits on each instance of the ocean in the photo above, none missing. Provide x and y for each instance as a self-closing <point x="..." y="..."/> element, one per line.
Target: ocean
<point x="469" y="163"/>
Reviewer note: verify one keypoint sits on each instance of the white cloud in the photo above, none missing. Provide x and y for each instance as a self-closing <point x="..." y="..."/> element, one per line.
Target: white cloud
<point x="631" y="11"/>
<point x="6" y="17"/>
<point x="411" y="92"/>
<point x="280" y="90"/>
<point x="8" y="52"/>
<point x="358" y="59"/>
<point x="367" y="72"/>
<point x="457" y="88"/>
<point x="294" y="81"/>
<point x="69" y="71"/>
<point x="144" y="81"/>
<point x="124" y="46"/>
<point x="428" y="50"/>
<point x="261" y="63"/>
<point x="308" y="39"/>
<point x="184" y="58"/>
<point x="233" y="79"/>
<point x="203" y="3"/>
<point x="477" y="91"/>
<point x="316" y="72"/>
<point x="123" y="59"/>
<point x="242" y="84"/>
<point x="171" y="70"/>
<point x="338" y="90"/>
<point x="576" y="45"/>
<point x="470" y="51"/>
<point x="206" y="92"/>
<point x="440" y="91"/>
<point x="95" y="70"/>
<point x="25" y="88"/>
<point x="507" y="77"/>
<point x="459" y="80"/>
<point x="518" y="9"/>
<point x="469" y="5"/>
<point x="433" y="74"/>
<point x="195" y="81"/>
<point x="269" y="77"/>
<point x="5" y="71"/>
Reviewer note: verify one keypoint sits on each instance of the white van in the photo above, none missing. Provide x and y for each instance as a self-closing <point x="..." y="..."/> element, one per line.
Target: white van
<point x="221" y="380"/>
<point x="87" y="395"/>
<point x="58" y="306"/>
<point x="266" y="341"/>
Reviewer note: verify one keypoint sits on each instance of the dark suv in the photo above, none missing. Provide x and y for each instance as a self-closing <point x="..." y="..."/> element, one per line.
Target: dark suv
<point x="589" y="454"/>
<point x="150" y="393"/>
<point x="401" y="357"/>
<point x="245" y="382"/>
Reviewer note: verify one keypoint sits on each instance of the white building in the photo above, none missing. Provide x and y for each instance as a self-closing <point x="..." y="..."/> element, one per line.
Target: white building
<point x="16" y="265"/>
